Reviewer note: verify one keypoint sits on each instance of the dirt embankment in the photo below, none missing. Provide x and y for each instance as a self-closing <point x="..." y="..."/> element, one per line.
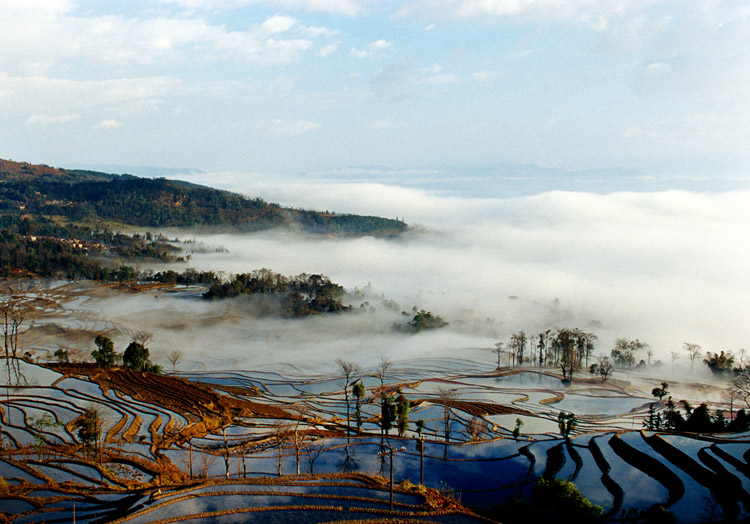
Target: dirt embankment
<point x="179" y="395"/>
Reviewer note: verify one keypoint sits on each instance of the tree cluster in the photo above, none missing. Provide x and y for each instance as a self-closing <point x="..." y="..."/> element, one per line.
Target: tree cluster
<point x="298" y="296"/>
<point x="135" y="357"/>
<point x="683" y="417"/>
<point x="570" y="349"/>
<point x="425" y="320"/>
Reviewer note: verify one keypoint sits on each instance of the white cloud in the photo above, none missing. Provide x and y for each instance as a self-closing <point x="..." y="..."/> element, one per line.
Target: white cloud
<point x="662" y="267"/>
<point x="107" y="124"/>
<point x="46" y="120"/>
<point x="278" y="24"/>
<point x="50" y="96"/>
<point x="35" y="8"/>
<point x="345" y="7"/>
<point x="481" y="76"/>
<point x="127" y="43"/>
<point x="328" y="50"/>
<point x="371" y="49"/>
<point x="287" y="128"/>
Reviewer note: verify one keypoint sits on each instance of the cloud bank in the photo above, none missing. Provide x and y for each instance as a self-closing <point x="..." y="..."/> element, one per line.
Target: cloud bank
<point x="665" y="267"/>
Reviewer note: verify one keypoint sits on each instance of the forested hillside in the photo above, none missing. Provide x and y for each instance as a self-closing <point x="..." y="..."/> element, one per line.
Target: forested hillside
<point x="75" y="196"/>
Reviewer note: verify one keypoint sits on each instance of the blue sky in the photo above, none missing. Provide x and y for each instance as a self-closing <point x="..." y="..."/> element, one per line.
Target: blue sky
<point x="289" y="86"/>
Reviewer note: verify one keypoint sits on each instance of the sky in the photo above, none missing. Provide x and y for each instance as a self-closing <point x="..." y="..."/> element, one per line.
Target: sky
<point x="651" y="87"/>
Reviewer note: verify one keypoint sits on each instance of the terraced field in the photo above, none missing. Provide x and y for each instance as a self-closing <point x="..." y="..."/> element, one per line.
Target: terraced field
<point x="272" y="446"/>
<point x="221" y="446"/>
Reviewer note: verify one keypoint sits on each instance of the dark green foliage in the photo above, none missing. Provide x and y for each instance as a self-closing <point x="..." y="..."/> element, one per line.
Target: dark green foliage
<point x="89" y="426"/>
<point x="672" y="418"/>
<point x="661" y="392"/>
<point x="719" y="363"/>
<point x="358" y="390"/>
<point x="567" y="423"/>
<point x="79" y="195"/>
<point x="653" y="421"/>
<point x="426" y="320"/>
<point x="188" y="277"/>
<point x="105" y="354"/>
<point x="561" y="498"/>
<point x="741" y="422"/>
<point x="695" y="420"/>
<point x="298" y="296"/>
<point x="387" y="413"/>
<point x="62" y="356"/>
<point x="402" y="415"/>
<point x="136" y="357"/>
<point x="552" y="500"/>
<point x="623" y="354"/>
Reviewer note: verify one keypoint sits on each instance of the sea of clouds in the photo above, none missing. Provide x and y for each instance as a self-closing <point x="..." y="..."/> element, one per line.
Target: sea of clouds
<point x="665" y="267"/>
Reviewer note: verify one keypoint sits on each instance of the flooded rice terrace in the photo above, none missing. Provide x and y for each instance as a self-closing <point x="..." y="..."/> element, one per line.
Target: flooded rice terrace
<point x="219" y="444"/>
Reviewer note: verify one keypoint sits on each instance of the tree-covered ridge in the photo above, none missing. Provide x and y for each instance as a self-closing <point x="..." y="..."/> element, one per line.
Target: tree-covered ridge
<point x="89" y="196"/>
<point x="297" y="296"/>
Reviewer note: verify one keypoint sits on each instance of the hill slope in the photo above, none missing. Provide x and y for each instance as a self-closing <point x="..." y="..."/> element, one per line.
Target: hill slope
<point x="39" y="190"/>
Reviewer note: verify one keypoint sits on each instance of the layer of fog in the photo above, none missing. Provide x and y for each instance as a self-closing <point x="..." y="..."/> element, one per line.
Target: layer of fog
<point x="666" y="267"/>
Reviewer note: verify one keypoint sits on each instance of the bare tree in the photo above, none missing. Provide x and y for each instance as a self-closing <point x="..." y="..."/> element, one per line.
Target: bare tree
<point x="348" y="370"/>
<point x="174" y="357"/>
<point x="675" y="357"/>
<point x="517" y="346"/>
<point x="296" y="435"/>
<point x="281" y="434"/>
<point x="499" y="351"/>
<point x="142" y="337"/>
<point x="13" y="311"/>
<point x="693" y="351"/>
<point x="383" y="366"/>
<point x="446" y="397"/>
<point x="605" y="367"/>
<point x="314" y="449"/>
<point x="476" y="428"/>
<point x="740" y="386"/>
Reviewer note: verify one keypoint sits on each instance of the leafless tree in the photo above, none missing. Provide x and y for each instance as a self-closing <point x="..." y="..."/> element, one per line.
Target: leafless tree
<point x="605" y="367"/>
<point x="476" y="428"/>
<point x="446" y="397"/>
<point x="296" y="435"/>
<point x="348" y="371"/>
<point x="314" y="449"/>
<point x="675" y="357"/>
<point x="142" y="337"/>
<point x="383" y="367"/>
<point x="174" y="357"/>
<point x="739" y="385"/>
<point x="281" y="434"/>
<point x="13" y="312"/>
<point x="499" y="351"/>
<point x="693" y="351"/>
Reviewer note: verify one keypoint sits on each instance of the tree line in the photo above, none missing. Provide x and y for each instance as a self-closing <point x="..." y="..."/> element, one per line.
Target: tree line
<point x="91" y="196"/>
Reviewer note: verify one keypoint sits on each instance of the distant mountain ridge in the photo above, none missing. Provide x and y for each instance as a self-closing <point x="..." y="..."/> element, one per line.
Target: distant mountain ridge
<point x="91" y="196"/>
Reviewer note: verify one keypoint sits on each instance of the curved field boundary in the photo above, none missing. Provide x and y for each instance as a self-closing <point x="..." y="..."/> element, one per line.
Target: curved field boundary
<point x="722" y="492"/>
<point x="555" y="461"/>
<point x="740" y="466"/>
<point x="133" y="429"/>
<point x="652" y="467"/>
<point x="526" y="452"/>
<point x="727" y="479"/>
<point x="576" y="459"/>
<point x="552" y="400"/>
<point x="613" y="487"/>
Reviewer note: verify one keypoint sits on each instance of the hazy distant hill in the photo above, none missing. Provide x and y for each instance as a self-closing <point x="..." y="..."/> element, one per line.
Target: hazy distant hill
<point x="78" y="195"/>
